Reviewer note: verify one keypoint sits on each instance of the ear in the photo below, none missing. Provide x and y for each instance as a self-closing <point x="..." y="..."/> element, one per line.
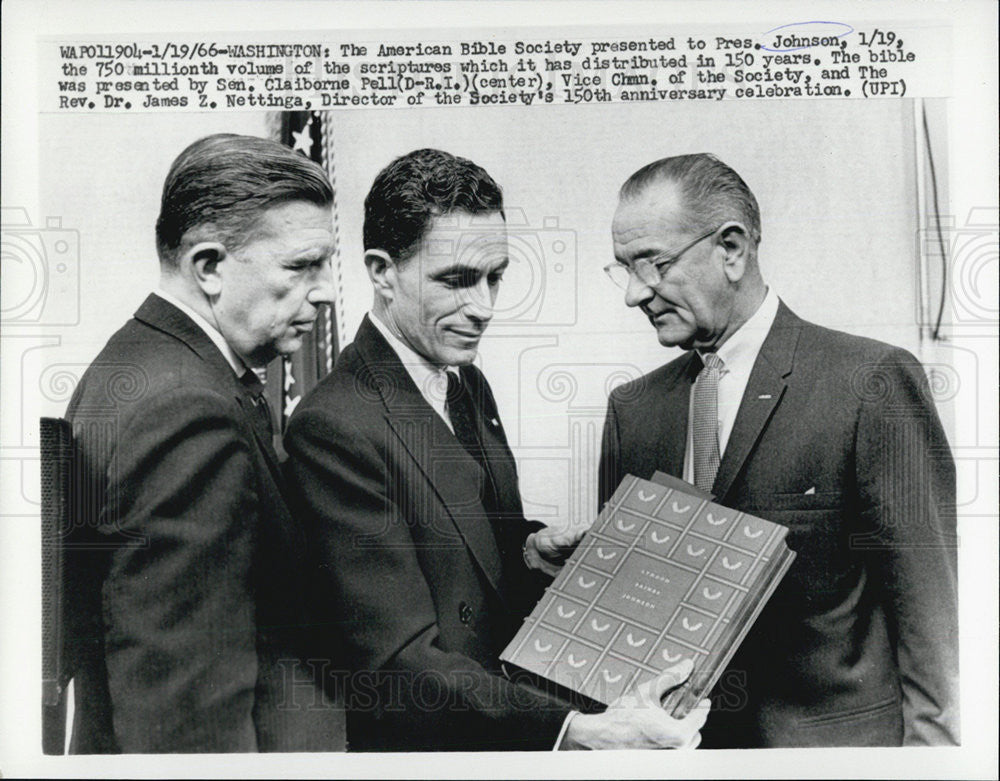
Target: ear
<point x="382" y="273"/>
<point x="734" y="239"/>
<point x="201" y="262"/>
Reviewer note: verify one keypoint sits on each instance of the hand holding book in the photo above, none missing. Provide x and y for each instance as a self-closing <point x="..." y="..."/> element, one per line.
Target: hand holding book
<point x="664" y="575"/>
<point x="637" y="719"/>
<point x="548" y="548"/>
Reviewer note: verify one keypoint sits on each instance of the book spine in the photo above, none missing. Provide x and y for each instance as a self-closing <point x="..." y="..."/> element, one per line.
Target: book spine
<point x="693" y="693"/>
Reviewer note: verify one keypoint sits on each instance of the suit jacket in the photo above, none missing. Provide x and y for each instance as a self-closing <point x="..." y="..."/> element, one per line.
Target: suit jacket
<point x="187" y="567"/>
<point x="423" y="589"/>
<point x="837" y="438"/>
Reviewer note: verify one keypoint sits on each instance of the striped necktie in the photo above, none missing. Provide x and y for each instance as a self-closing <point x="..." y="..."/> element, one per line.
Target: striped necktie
<point x="705" y="424"/>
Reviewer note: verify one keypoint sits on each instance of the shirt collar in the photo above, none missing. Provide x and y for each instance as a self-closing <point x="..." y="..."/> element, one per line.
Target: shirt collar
<point x="425" y="375"/>
<point x="739" y="352"/>
<point x="210" y="331"/>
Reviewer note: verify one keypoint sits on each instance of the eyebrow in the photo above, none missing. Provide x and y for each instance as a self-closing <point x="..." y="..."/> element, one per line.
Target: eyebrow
<point x="460" y="268"/>
<point x="313" y="251"/>
<point x="648" y="252"/>
<point x="309" y="259"/>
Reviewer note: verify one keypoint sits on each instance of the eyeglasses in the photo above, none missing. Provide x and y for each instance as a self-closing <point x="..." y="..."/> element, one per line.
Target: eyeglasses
<point x="649" y="270"/>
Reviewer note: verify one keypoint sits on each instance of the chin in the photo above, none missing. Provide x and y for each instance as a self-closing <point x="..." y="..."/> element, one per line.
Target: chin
<point x="460" y="356"/>
<point x="287" y="347"/>
<point x="672" y="338"/>
<point x="464" y="358"/>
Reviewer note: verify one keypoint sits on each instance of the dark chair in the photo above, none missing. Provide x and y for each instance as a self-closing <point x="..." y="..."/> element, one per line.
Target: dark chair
<point x="57" y="471"/>
<point x="75" y="558"/>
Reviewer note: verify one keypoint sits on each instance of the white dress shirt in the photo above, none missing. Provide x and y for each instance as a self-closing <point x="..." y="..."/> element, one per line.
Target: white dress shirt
<point x="210" y="331"/>
<point x="431" y="381"/>
<point x="738" y="354"/>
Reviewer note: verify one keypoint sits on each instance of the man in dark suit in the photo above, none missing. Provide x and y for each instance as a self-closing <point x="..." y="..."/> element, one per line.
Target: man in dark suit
<point x="189" y="570"/>
<point x="404" y="479"/>
<point x="832" y="435"/>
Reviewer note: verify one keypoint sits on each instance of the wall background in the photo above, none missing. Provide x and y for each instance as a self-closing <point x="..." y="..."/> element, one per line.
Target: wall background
<point x="836" y="183"/>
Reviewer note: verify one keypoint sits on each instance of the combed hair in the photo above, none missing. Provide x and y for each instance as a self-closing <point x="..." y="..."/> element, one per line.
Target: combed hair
<point x="224" y="182"/>
<point x="414" y="188"/>
<point x="712" y="191"/>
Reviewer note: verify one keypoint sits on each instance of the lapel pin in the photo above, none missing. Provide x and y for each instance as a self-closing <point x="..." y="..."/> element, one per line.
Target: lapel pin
<point x="764" y="396"/>
<point x="494" y="422"/>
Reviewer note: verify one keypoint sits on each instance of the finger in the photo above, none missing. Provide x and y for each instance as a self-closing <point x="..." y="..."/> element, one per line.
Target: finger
<point x="690" y="726"/>
<point x="548" y="543"/>
<point x="548" y="568"/>
<point x="698" y="714"/>
<point x="652" y="692"/>
<point x="562" y="544"/>
<point x="568" y="535"/>
<point x="572" y="536"/>
<point x="671" y="678"/>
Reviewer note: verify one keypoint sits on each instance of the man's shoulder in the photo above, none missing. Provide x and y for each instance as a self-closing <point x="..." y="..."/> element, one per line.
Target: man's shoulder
<point x="140" y="363"/>
<point x="351" y="388"/>
<point x="818" y="350"/>
<point x="835" y="350"/>
<point x="655" y="381"/>
<point x="846" y="369"/>
<point x="345" y="409"/>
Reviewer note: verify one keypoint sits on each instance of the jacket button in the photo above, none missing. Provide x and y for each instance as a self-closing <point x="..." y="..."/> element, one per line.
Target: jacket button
<point x="464" y="613"/>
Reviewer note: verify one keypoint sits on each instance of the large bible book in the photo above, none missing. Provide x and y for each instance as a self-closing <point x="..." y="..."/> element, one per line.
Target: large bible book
<point x="663" y="574"/>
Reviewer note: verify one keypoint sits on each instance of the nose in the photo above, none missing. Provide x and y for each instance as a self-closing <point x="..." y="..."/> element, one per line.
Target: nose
<point x="637" y="292"/>
<point x="478" y="305"/>
<point x="322" y="292"/>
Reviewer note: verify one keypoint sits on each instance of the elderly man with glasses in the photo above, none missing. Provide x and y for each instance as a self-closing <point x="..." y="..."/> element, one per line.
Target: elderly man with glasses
<point x="832" y="435"/>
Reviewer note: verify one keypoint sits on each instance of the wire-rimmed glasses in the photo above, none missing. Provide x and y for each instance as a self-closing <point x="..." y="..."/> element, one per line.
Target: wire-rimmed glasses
<point x="649" y="270"/>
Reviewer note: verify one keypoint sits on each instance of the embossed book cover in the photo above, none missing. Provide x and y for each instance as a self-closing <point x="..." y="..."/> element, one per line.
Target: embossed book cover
<point x="664" y="573"/>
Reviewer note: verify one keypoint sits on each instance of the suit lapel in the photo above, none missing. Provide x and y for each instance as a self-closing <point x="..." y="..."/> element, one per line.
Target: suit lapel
<point x="763" y="394"/>
<point x="677" y="402"/>
<point x="447" y="467"/>
<point x="164" y="316"/>
<point x="666" y="421"/>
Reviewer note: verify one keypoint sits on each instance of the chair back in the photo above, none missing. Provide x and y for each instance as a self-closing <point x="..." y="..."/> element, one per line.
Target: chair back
<point x="56" y="468"/>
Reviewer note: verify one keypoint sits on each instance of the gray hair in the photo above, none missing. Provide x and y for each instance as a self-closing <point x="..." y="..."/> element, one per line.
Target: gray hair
<point x="712" y="191"/>
<point x="225" y="182"/>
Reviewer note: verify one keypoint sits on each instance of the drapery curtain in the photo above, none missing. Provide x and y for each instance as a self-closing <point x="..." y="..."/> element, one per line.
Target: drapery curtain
<point x="289" y="379"/>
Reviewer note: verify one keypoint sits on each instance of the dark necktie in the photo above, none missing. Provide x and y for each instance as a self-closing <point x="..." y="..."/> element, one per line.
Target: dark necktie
<point x="465" y="423"/>
<point x="705" y="423"/>
<point x="260" y="411"/>
<point x="463" y="418"/>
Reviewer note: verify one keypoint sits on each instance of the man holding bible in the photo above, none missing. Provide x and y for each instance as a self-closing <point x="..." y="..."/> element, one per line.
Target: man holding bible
<point x="408" y="490"/>
<point x="829" y="434"/>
